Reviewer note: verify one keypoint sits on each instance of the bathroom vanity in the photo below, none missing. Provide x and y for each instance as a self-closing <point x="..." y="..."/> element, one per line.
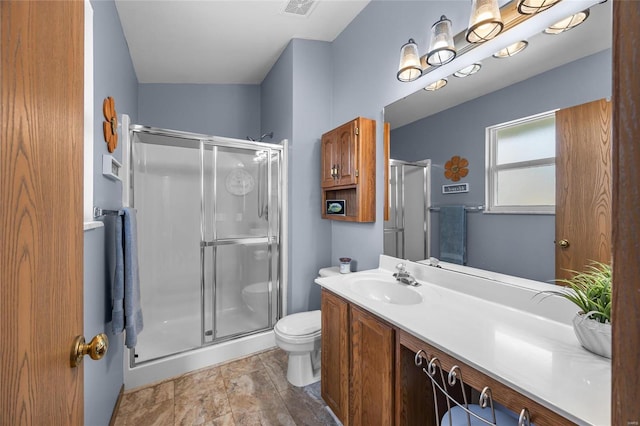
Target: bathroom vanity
<point x="501" y="334"/>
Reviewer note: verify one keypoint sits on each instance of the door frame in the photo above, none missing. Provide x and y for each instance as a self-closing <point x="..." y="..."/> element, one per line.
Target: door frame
<point x="625" y="216"/>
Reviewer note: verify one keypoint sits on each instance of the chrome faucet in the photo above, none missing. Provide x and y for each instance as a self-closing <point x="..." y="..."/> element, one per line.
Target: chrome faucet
<point x="403" y="276"/>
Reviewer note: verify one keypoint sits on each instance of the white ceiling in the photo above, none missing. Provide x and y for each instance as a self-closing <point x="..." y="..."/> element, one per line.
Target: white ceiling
<point x="221" y="41"/>
<point x="544" y="53"/>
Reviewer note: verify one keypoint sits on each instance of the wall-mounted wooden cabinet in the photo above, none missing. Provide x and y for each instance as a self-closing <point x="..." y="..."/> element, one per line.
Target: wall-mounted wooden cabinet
<point x="348" y="168"/>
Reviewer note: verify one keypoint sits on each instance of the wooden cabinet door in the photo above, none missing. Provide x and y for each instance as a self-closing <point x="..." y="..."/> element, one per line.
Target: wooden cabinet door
<point x="330" y="158"/>
<point x="335" y="355"/>
<point x="583" y="200"/>
<point x="348" y="153"/>
<point x="372" y="361"/>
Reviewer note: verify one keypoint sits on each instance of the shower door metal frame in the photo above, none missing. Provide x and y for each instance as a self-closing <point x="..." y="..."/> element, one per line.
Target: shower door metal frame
<point x="270" y="239"/>
<point x="399" y="227"/>
<point x="281" y="224"/>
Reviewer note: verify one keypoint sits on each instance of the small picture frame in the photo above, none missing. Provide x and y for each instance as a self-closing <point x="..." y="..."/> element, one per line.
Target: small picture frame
<point x="455" y="188"/>
<point x="335" y="207"/>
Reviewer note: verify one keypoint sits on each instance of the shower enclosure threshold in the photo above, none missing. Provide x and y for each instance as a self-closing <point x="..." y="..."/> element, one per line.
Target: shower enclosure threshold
<point x="175" y="365"/>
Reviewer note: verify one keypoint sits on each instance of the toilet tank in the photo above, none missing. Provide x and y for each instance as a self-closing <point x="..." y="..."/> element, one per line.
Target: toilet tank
<point x="329" y="271"/>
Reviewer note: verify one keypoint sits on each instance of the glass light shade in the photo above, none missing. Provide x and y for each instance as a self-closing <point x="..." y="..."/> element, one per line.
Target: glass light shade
<point x="567" y="23"/>
<point x="485" y="22"/>
<point x="511" y="50"/>
<point x="409" y="68"/>
<point x="436" y="85"/>
<point x="530" y="7"/>
<point x="467" y="71"/>
<point x="441" y="48"/>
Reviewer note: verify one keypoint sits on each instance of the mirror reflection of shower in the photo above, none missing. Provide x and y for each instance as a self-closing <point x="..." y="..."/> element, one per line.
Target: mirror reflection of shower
<point x="261" y="138"/>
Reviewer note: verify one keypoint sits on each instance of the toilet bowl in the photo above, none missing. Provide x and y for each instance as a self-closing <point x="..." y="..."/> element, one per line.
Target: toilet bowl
<point x="300" y="336"/>
<point x="256" y="297"/>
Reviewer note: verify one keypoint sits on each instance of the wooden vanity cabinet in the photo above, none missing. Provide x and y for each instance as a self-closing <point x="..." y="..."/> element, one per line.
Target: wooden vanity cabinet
<point x="348" y="169"/>
<point x="358" y="364"/>
<point x="372" y="367"/>
<point x="335" y="355"/>
<point x="369" y="376"/>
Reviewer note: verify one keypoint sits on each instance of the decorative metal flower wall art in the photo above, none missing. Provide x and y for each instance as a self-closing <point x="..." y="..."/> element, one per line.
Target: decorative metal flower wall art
<point x="456" y="168"/>
<point x="110" y="125"/>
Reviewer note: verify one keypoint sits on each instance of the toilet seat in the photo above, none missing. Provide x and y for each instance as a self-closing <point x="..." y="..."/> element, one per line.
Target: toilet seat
<point x="297" y="340"/>
<point x="302" y="324"/>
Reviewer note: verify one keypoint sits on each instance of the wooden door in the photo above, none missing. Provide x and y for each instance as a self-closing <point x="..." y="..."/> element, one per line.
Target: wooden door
<point x="583" y="186"/>
<point x="41" y="235"/>
<point x="348" y="149"/>
<point x="372" y="362"/>
<point x="335" y="355"/>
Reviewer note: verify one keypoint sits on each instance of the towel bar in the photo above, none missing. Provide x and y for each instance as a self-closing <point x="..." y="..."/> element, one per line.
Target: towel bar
<point x="99" y="212"/>
<point x="467" y="208"/>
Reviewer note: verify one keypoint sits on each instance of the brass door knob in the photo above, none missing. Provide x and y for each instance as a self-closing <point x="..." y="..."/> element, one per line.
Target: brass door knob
<point x="564" y="243"/>
<point x="96" y="348"/>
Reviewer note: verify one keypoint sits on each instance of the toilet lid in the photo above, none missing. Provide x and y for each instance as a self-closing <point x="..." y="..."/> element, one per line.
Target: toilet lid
<point x="300" y="324"/>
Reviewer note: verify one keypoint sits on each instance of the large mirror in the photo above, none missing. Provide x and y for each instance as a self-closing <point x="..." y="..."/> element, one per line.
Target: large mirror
<point x="554" y="72"/>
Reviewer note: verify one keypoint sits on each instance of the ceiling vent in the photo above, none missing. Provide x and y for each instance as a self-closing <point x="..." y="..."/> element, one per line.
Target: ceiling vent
<point x="299" y="7"/>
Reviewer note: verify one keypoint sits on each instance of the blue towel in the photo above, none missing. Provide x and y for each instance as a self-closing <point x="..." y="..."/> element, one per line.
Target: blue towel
<point x="127" y="314"/>
<point x="453" y="234"/>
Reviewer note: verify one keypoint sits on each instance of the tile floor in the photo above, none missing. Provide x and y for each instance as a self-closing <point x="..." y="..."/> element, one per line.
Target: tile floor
<point x="250" y="391"/>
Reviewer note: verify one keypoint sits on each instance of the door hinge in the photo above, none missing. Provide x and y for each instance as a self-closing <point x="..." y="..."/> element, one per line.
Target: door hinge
<point x="357" y="131"/>
<point x="357" y="173"/>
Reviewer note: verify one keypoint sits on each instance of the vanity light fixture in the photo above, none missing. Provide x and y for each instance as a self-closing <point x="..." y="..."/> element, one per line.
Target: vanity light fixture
<point x="511" y="50"/>
<point x="531" y="7"/>
<point x="409" y="68"/>
<point x="468" y="70"/>
<point x="485" y="21"/>
<point x="436" y="85"/>
<point x="568" y="23"/>
<point x="442" y="50"/>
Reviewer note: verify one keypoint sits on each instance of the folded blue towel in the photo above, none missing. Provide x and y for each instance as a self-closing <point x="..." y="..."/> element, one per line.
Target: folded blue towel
<point x="453" y="234"/>
<point x="127" y="313"/>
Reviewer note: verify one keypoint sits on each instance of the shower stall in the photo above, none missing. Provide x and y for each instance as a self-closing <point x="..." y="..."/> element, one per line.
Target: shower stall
<point x="406" y="233"/>
<point x="209" y="241"/>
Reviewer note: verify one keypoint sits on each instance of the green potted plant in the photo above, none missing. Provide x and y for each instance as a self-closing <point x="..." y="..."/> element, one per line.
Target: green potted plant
<point x="590" y="290"/>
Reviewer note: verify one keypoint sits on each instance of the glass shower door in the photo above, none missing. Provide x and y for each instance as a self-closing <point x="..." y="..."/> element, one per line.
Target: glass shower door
<point x="240" y="247"/>
<point x="166" y="177"/>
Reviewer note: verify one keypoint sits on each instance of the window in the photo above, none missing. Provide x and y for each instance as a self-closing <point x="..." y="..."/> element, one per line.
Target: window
<point x="521" y="166"/>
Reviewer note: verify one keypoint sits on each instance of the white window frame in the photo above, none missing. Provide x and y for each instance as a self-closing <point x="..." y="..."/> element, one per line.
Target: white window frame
<point x="491" y="169"/>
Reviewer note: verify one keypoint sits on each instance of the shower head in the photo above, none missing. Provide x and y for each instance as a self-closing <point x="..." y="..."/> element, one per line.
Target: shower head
<point x="261" y="138"/>
<point x="266" y="135"/>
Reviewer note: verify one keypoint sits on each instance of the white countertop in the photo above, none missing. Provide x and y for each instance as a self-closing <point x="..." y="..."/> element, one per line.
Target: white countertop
<point x="505" y="330"/>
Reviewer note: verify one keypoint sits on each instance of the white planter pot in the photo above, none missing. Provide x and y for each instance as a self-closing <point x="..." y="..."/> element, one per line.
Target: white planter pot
<point x="594" y="336"/>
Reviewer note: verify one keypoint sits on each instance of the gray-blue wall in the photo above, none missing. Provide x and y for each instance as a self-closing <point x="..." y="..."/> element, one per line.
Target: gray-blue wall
<point x="519" y="245"/>
<point x="277" y="116"/>
<point x="113" y="76"/>
<point x="229" y="110"/>
<point x="365" y="61"/>
<point x="310" y="234"/>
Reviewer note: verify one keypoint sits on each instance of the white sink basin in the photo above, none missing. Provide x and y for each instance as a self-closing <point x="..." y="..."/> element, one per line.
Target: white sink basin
<point x="386" y="291"/>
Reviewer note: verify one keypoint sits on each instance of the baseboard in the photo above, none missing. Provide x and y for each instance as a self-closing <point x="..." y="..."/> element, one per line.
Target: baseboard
<point x="112" y="422"/>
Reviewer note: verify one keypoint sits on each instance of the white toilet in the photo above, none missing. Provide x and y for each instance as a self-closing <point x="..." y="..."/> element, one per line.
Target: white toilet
<point x="256" y="297"/>
<point x="300" y="336"/>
